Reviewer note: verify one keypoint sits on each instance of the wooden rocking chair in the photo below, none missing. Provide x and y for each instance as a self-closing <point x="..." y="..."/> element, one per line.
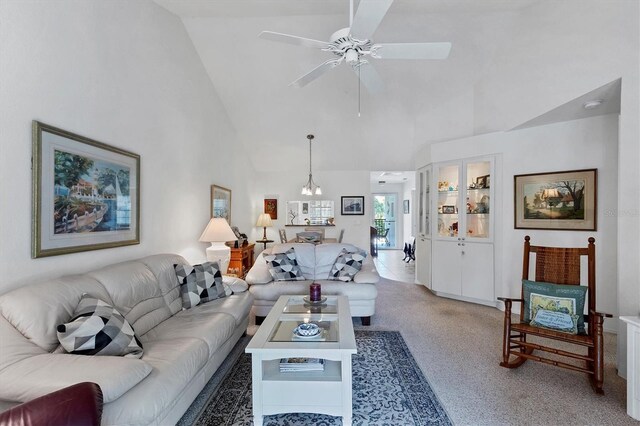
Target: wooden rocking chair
<point x="557" y="266"/>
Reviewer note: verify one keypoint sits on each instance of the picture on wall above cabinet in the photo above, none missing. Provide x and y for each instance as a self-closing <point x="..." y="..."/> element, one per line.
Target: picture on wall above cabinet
<point x="405" y="207"/>
<point x="556" y="200"/>
<point x="271" y="207"/>
<point x="221" y="202"/>
<point x="352" y="205"/>
<point x="86" y="194"/>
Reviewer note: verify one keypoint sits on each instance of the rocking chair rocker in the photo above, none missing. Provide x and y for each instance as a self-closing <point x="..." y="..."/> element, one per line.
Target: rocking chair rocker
<point x="555" y="265"/>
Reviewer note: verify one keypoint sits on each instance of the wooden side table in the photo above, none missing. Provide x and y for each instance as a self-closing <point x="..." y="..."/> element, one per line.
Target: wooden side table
<point x="242" y="259"/>
<point x="264" y="241"/>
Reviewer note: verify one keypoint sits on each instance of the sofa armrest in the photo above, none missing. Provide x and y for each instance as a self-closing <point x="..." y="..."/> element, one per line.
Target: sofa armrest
<point x="368" y="273"/>
<point x="39" y="375"/>
<point x="237" y="285"/>
<point x="259" y="272"/>
<point x="79" y="404"/>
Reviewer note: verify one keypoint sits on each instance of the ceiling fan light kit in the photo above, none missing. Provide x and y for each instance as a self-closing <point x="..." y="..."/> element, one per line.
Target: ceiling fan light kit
<point x="353" y="45"/>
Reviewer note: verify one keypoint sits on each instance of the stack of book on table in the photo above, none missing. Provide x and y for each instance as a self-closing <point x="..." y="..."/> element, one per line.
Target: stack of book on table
<point x="301" y="364"/>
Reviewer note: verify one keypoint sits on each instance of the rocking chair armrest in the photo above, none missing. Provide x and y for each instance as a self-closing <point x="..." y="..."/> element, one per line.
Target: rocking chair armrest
<point x="504" y="299"/>
<point x="601" y="314"/>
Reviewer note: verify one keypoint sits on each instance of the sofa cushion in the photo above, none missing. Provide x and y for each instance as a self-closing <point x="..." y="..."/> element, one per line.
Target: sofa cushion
<point x="42" y="374"/>
<point x="283" y="266"/>
<point x="162" y="267"/>
<point x="35" y="310"/>
<point x="305" y="256"/>
<point x="212" y="328"/>
<point x="199" y="283"/>
<point x="347" y="265"/>
<point x="236" y="305"/>
<point x="135" y="292"/>
<point x="326" y="255"/>
<point x="97" y="328"/>
<point x="176" y="364"/>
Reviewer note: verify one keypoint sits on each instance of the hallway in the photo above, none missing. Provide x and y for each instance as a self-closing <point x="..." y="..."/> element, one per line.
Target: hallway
<point x="391" y="266"/>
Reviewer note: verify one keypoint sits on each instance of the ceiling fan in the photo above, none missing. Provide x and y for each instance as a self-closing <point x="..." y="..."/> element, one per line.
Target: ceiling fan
<point x="354" y="46"/>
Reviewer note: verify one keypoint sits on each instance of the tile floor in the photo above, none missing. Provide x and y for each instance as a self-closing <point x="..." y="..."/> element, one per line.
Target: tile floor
<point x="391" y="266"/>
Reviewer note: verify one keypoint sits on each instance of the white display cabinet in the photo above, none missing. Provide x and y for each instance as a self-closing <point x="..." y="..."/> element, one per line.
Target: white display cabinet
<point x="462" y="261"/>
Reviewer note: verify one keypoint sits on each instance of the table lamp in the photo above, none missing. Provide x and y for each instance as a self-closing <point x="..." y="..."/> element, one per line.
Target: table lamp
<point x="264" y="220"/>
<point x="218" y="232"/>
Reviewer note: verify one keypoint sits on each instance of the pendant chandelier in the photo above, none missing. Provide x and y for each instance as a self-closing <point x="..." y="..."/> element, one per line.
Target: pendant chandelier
<point x="311" y="187"/>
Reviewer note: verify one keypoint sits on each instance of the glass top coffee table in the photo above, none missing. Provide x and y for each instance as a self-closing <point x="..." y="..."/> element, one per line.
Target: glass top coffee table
<point x="326" y="389"/>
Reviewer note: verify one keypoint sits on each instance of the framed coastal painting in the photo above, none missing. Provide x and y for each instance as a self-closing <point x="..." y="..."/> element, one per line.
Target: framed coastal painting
<point x="352" y="205"/>
<point x="86" y="194"/>
<point x="221" y="202"/>
<point x="556" y="200"/>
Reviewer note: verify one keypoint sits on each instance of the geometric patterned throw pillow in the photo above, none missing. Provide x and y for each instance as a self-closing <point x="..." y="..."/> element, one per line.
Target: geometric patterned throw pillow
<point x="97" y="328"/>
<point x="347" y="265"/>
<point x="284" y="266"/>
<point x="199" y="283"/>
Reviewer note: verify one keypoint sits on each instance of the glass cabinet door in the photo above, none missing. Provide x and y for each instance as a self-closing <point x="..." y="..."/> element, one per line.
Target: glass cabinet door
<point x="478" y="199"/>
<point x="427" y="202"/>
<point x="448" y="200"/>
<point x="420" y="205"/>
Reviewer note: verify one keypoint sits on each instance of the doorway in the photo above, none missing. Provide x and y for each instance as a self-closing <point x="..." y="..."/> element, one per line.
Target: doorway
<point x="384" y="220"/>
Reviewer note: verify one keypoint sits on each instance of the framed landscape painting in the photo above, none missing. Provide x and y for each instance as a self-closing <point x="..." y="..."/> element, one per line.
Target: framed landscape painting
<point x="221" y="202"/>
<point x="556" y="200"/>
<point x="86" y="194"/>
<point x="352" y="205"/>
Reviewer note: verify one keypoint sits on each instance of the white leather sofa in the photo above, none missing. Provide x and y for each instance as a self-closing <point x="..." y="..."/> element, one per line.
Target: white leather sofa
<point x="315" y="262"/>
<point x="182" y="348"/>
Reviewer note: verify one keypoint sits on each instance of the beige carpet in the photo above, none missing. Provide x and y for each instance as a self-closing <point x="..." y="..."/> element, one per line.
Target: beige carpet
<point x="458" y="347"/>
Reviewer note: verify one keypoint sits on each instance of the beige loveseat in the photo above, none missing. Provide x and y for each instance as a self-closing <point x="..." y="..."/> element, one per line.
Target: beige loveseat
<point x="315" y="262"/>
<point x="182" y="348"/>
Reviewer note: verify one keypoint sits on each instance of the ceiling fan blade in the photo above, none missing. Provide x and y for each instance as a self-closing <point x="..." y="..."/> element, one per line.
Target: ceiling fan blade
<point x="369" y="77"/>
<point x="368" y="17"/>
<point x="411" y="50"/>
<point x="286" y="38"/>
<point x="315" y="73"/>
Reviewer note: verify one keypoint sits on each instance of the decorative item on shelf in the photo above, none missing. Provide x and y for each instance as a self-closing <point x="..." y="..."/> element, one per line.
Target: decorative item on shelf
<point x="331" y="221"/>
<point x="448" y="209"/>
<point x="315" y="292"/>
<point x="483" y="205"/>
<point x="453" y="229"/>
<point x="472" y="185"/>
<point x="443" y="186"/>
<point x="307" y="221"/>
<point x="218" y="232"/>
<point x="242" y="238"/>
<point x="483" y="181"/>
<point x="311" y="187"/>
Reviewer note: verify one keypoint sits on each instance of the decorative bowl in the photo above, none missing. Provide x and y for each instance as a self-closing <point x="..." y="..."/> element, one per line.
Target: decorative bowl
<point x="307" y="329"/>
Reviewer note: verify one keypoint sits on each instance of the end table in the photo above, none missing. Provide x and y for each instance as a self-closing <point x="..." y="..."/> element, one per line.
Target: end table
<point x="264" y="241"/>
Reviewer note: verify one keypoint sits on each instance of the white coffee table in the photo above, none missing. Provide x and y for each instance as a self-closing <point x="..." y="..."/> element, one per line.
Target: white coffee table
<point x="324" y="392"/>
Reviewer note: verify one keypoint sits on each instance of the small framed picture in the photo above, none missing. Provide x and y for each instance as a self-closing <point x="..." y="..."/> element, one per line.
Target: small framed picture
<point x="448" y="209"/>
<point x="352" y="205"/>
<point x="405" y="206"/>
<point x="271" y="207"/>
<point x="483" y="181"/>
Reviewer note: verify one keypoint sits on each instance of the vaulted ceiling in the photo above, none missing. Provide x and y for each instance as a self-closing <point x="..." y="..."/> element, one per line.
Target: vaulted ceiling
<point x="423" y="101"/>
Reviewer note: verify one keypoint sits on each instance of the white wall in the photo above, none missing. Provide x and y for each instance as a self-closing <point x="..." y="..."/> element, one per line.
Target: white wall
<point x="578" y="144"/>
<point x="124" y="73"/>
<point x="335" y="184"/>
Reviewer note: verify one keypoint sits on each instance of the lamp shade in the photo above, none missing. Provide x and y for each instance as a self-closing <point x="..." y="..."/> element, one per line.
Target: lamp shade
<point x="218" y="230"/>
<point x="264" y="220"/>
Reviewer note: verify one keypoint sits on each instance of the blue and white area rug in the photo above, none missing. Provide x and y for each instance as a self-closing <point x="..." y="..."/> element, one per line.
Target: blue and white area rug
<point x="388" y="389"/>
